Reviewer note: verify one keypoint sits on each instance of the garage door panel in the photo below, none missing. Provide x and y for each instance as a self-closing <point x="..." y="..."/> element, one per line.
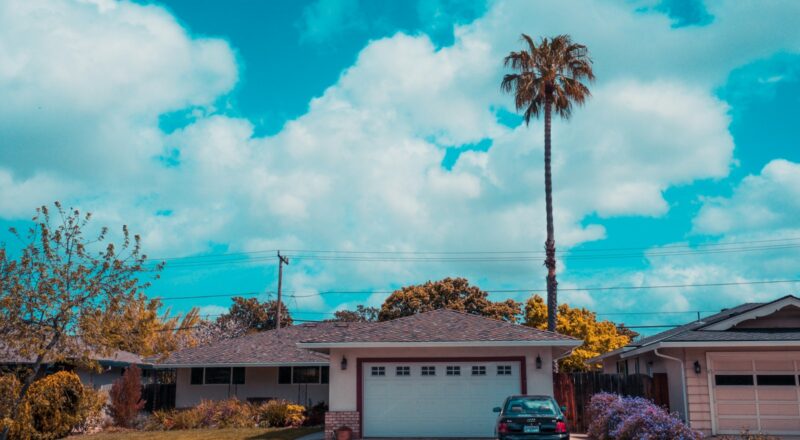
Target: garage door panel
<point x="736" y="409"/>
<point x="778" y="409"/>
<point x="736" y="393"/>
<point x="780" y="425"/>
<point x="737" y="424"/>
<point x="777" y="393"/>
<point x="774" y="365"/>
<point x="435" y="406"/>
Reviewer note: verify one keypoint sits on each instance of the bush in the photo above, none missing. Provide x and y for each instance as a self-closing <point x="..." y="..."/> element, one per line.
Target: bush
<point x="280" y="413"/>
<point x="315" y="415"/>
<point x="633" y="418"/>
<point x="126" y="397"/>
<point x="230" y="413"/>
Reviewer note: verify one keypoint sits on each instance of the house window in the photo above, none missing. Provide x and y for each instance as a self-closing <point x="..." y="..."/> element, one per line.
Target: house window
<point x="325" y="375"/>
<point x="453" y="370"/>
<point x="429" y="371"/>
<point x="285" y="375"/>
<point x="504" y="370"/>
<point x="238" y="376"/>
<point x="403" y="371"/>
<point x="775" y="380"/>
<point x="197" y="376"/>
<point x="479" y="370"/>
<point x="733" y="379"/>
<point x="379" y="371"/>
<point x="305" y="375"/>
<point x="217" y="376"/>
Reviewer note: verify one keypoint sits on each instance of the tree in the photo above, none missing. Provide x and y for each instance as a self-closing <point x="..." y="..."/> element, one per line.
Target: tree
<point x="126" y="397"/>
<point x="360" y="314"/>
<point x="449" y="293"/>
<point x="599" y="336"/>
<point x="549" y="78"/>
<point x="254" y="315"/>
<point x="207" y="332"/>
<point x="59" y="286"/>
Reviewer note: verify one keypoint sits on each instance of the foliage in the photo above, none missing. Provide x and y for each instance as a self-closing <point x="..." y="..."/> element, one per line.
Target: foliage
<point x="598" y="336"/>
<point x="256" y="316"/>
<point x="449" y="293"/>
<point x="230" y="413"/>
<point x="360" y="314"/>
<point x="633" y="418"/>
<point x="63" y="283"/>
<point x="53" y="407"/>
<point x="211" y="434"/>
<point x="315" y="415"/>
<point x="207" y="332"/>
<point x="747" y="435"/>
<point x="126" y="397"/>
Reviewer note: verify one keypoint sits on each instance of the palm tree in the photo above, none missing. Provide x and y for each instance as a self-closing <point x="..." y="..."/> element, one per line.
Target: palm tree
<point x="548" y="77"/>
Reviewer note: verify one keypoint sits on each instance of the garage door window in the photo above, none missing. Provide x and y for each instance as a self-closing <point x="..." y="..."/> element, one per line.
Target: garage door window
<point x="504" y="370"/>
<point x="379" y="371"/>
<point x="429" y="371"/>
<point x="775" y="380"/>
<point x="453" y="370"/>
<point x="403" y="371"/>
<point x="733" y="379"/>
<point x="479" y="370"/>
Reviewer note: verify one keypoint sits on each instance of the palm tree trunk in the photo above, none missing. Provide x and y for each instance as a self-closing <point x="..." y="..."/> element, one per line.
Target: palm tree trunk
<point x="550" y="244"/>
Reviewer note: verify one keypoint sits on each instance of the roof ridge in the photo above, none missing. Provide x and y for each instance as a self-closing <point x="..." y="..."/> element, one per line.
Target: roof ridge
<point x="502" y="321"/>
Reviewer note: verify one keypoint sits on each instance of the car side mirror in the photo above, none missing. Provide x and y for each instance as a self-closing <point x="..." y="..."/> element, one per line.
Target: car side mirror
<point x="496" y="409"/>
<point x="563" y="408"/>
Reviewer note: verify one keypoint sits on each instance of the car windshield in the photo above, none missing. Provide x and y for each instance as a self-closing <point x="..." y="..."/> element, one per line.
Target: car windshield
<point x="531" y="406"/>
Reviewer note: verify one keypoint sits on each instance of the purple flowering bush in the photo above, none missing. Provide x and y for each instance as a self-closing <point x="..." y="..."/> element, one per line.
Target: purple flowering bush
<point x="634" y="418"/>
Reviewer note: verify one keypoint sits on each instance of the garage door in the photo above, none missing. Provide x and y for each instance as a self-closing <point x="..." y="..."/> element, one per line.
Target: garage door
<point x="437" y="399"/>
<point x="756" y="391"/>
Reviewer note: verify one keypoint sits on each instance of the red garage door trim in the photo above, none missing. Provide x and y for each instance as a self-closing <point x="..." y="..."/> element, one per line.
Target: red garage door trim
<point x="523" y="386"/>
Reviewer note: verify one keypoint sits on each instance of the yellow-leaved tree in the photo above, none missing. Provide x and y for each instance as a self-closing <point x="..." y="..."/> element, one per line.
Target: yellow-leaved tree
<point x="599" y="336"/>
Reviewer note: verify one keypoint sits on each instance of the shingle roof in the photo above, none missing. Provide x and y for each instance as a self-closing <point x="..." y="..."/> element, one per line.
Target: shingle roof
<point x="441" y="325"/>
<point x="710" y="336"/>
<point x="263" y="348"/>
<point x="8" y="356"/>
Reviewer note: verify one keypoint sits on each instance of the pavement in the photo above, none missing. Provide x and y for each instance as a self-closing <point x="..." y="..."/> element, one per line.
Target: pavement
<point x="313" y="436"/>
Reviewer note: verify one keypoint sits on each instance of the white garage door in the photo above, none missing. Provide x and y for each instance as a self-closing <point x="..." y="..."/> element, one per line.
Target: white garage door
<point x="756" y="391"/>
<point x="435" y="399"/>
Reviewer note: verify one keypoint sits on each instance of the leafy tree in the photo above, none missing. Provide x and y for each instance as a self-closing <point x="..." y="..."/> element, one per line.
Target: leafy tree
<point x="599" y="336"/>
<point x="126" y="397"/>
<point x="360" y="314"/>
<point x="207" y="332"/>
<point x="548" y="78"/>
<point x="59" y="286"/>
<point x="254" y="315"/>
<point x="449" y="293"/>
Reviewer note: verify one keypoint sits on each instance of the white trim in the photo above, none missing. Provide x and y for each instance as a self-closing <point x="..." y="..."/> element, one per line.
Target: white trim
<point x="549" y="343"/>
<point x="758" y="312"/>
<point x="712" y="397"/>
<point x="712" y="344"/>
<point x="246" y="364"/>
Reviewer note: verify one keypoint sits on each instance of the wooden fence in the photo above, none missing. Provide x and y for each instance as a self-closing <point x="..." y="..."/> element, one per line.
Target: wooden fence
<point x="574" y="390"/>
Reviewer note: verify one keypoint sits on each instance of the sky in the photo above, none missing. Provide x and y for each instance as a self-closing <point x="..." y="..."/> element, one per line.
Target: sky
<point x="370" y="142"/>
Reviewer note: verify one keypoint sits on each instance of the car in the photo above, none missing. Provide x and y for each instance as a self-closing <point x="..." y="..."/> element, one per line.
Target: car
<point x="531" y="418"/>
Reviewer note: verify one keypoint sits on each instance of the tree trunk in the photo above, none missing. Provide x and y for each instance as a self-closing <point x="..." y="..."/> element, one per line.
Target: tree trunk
<point x="550" y="244"/>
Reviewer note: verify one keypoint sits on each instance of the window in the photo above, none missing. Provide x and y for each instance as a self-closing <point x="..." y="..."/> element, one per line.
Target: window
<point x="325" y="373"/>
<point x="453" y="370"/>
<point x="733" y="379"/>
<point x="504" y="370"/>
<point x="197" y="376"/>
<point x="531" y="406"/>
<point x="479" y="370"/>
<point x="218" y="375"/>
<point x="284" y="375"/>
<point x="403" y="371"/>
<point x="775" y="380"/>
<point x="238" y="376"/>
<point x="379" y="371"/>
<point x="429" y="371"/>
<point x="305" y="375"/>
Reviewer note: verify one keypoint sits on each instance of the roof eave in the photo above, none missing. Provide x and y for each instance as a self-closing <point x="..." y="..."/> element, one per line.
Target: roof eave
<point x="168" y="365"/>
<point x="711" y="344"/>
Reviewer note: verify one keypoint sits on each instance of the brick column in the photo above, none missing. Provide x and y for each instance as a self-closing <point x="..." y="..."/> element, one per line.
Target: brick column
<point x="338" y="419"/>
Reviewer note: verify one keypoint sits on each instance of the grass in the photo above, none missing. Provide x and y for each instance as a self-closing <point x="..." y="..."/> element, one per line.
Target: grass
<point x="205" y="434"/>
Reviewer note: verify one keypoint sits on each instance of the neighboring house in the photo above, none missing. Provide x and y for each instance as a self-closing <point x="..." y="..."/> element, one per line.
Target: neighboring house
<point x="433" y="374"/>
<point x="256" y="367"/>
<point x="737" y="369"/>
<point x="111" y="366"/>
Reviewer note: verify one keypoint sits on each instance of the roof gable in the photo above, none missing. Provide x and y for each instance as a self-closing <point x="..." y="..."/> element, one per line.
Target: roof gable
<point x="755" y="313"/>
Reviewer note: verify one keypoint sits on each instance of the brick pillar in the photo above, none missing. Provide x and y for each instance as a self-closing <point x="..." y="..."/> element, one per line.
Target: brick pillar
<point x="338" y="419"/>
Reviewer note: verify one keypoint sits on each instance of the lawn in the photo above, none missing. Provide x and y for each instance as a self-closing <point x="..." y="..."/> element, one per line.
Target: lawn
<point x="205" y="434"/>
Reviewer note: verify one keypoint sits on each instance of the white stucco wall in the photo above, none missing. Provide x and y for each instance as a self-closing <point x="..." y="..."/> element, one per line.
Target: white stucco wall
<point x="99" y="381"/>
<point x="259" y="382"/>
<point x="343" y="396"/>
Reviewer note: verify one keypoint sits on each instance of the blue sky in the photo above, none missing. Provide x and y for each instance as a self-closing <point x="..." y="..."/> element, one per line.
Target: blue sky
<point x="242" y="127"/>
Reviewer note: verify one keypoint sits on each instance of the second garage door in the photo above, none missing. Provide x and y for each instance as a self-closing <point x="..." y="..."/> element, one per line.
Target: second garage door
<point x="757" y="391"/>
<point x="436" y="399"/>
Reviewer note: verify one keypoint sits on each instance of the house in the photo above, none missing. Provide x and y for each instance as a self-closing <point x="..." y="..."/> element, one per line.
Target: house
<point x="737" y="369"/>
<point x="433" y="374"/>
<point x="111" y="366"/>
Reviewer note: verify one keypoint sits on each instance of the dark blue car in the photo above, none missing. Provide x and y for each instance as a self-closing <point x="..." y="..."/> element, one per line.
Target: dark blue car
<point x="530" y="418"/>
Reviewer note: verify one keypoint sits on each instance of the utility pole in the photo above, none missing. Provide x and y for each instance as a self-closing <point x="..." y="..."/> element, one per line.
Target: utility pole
<point x="281" y="261"/>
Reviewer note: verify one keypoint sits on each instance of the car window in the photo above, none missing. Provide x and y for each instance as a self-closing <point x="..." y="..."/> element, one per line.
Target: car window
<point x="533" y="407"/>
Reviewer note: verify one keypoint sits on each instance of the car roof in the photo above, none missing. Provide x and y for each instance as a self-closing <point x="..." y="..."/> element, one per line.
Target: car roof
<point x="529" y="396"/>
